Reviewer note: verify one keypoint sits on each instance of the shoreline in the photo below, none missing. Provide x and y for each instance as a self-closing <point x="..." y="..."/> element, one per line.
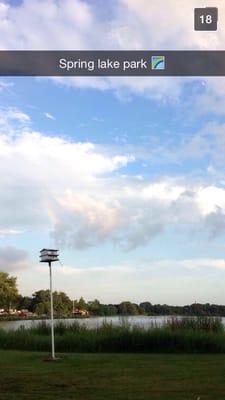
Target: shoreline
<point x="46" y="318"/>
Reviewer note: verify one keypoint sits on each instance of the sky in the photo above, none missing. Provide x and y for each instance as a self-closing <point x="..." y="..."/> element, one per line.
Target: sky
<point x="125" y="176"/>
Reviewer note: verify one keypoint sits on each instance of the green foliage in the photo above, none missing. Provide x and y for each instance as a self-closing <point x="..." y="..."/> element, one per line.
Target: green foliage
<point x="8" y="291"/>
<point x="24" y="302"/>
<point x="81" y="304"/>
<point x="110" y="310"/>
<point x="95" y="307"/>
<point x="62" y="304"/>
<point x="205" y="324"/>
<point x="128" y="308"/>
<point x="199" y="337"/>
<point x="41" y="303"/>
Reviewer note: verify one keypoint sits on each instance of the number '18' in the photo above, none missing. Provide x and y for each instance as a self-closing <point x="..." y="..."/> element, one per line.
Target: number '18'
<point x="206" y="19"/>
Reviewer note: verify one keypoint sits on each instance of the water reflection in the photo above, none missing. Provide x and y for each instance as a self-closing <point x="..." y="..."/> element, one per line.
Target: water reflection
<point x="94" y="322"/>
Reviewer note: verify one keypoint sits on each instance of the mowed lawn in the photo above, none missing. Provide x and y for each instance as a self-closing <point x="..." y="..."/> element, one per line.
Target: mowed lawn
<point x="24" y="375"/>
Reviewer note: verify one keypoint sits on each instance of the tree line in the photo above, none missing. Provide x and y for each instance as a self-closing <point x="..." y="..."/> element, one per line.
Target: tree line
<point x="39" y="303"/>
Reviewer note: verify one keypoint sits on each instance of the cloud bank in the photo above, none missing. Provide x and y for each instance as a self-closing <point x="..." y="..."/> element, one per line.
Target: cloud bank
<point x="13" y="259"/>
<point x="80" y="193"/>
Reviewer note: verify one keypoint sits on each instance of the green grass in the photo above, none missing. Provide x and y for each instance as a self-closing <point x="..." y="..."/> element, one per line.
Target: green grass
<point x="177" y="337"/>
<point x="24" y="375"/>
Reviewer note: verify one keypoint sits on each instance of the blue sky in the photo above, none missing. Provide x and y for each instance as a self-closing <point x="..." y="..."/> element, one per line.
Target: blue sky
<point x="124" y="176"/>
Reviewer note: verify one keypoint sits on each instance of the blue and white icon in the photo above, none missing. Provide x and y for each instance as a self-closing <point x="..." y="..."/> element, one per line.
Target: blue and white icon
<point x="158" y="62"/>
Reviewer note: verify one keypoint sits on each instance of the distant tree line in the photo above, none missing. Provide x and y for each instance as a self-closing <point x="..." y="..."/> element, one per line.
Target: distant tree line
<point x="39" y="303"/>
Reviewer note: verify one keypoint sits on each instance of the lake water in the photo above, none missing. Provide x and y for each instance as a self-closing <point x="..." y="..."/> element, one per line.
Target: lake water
<point x="94" y="322"/>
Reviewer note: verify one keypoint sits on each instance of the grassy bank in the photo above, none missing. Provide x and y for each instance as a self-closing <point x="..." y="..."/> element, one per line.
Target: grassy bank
<point x="24" y="375"/>
<point x="178" y="336"/>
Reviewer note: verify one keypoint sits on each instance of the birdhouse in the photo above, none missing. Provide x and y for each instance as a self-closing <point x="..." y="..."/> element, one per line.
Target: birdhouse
<point x="49" y="255"/>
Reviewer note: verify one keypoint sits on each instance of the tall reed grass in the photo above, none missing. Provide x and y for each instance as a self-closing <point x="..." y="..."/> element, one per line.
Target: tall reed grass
<point x="194" y="335"/>
<point x="196" y="324"/>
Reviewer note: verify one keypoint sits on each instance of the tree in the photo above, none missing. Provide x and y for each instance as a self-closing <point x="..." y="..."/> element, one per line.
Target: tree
<point x="95" y="307"/>
<point x="146" y="306"/>
<point x="109" y="309"/>
<point x="24" y="302"/>
<point x="62" y="304"/>
<point x="81" y="304"/>
<point x="8" y="290"/>
<point x="41" y="303"/>
<point x="128" y="308"/>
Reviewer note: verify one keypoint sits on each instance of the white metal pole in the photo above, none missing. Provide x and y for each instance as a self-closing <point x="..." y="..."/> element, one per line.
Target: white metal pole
<point x="52" y="315"/>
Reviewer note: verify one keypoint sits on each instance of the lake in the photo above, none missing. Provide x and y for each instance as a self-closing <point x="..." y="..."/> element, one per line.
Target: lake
<point x="94" y="322"/>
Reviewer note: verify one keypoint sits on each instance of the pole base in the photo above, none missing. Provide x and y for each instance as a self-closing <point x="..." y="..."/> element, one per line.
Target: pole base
<point x="51" y="359"/>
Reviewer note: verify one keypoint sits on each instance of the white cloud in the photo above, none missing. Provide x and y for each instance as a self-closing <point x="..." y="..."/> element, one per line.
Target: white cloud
<point x="11" y="120"/>
<point x="145" y="268"/>
<point x="97" y="119"/>
<point x="40" y="173"/>
<point x="49" y="116"/>
<point x="5" y="86"/>
<point x="163" y="25"/>
<point x="13" y="259"/>
<point x="66" y="24"/>
<point x="9" y="115"/>
<point x="9" y="232"/>
<point x="79" y="193"/>
<point x="101" y="270"/>
<point x="206" y="143"/>
<point x="188" y="264"/>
